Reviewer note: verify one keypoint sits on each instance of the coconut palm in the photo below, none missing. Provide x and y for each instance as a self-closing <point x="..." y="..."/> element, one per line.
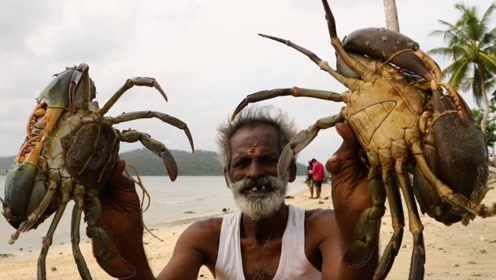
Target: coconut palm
<point x="471" y="47"/>
<point x="391" y="15"/>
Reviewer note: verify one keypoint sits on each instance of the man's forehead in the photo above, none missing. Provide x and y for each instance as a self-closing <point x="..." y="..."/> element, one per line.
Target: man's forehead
<point x="257" y="128"/>
<point x="256" y="135"/>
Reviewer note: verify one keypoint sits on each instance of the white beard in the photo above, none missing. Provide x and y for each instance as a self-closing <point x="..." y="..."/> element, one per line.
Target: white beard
<point x="259" y="198"/>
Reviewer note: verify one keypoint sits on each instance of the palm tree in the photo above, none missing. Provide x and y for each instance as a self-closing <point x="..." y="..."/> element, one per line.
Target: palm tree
<point x="471" y="45"/>
<point x="391" y="15"/>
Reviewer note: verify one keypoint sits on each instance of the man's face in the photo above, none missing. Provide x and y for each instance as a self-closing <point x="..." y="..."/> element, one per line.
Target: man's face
<point x="253" y="179"/>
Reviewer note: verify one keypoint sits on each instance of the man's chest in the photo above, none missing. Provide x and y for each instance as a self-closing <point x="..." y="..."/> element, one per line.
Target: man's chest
<point x="260" y="261"/>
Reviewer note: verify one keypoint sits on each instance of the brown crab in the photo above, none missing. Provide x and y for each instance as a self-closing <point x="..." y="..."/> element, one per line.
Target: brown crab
<point x="399" y="112"/>
<point x="69" y="153"/>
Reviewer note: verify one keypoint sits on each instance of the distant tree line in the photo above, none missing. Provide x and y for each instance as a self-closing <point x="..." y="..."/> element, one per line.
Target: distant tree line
<point x="201" y="163"/>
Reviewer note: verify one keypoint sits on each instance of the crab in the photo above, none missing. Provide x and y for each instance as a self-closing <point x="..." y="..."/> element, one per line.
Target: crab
<point x="69" y="153"/>
<point x="409" y="123"/>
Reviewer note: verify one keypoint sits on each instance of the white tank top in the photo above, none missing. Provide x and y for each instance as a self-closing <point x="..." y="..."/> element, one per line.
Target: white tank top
<point x="293" y="263"/>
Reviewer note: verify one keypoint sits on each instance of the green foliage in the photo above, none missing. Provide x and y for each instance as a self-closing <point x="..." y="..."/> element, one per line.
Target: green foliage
<point x="201" y="163"/>
<point x="471" y="46"/>
<point x="491" y="124"/>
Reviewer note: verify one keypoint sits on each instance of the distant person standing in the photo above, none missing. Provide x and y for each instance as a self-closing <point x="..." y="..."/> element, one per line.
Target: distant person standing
<point x="317" y="176"/>
<point x="309" y="180"/>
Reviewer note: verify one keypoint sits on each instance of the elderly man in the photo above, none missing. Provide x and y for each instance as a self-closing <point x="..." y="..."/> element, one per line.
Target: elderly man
<point x="266" y="239"/>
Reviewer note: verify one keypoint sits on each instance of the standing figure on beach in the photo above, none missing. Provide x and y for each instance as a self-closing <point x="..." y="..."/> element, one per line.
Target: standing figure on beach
<point x="266" y="239"/>
<point x="309" y="179"/>
<point x="317" y="176"/>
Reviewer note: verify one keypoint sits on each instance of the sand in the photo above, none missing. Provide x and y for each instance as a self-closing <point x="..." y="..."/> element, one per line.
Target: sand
<point x="455" y="252"/>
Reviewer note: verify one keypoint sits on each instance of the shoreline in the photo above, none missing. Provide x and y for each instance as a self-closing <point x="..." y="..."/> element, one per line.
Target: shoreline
<point x="454" y="252"/>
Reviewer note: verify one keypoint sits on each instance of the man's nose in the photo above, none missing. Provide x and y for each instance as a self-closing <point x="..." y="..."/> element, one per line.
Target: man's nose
<point x="255" y="170"/>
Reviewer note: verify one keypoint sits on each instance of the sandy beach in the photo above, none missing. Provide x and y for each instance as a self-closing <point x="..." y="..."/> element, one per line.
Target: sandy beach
<point x="455" y="252"/>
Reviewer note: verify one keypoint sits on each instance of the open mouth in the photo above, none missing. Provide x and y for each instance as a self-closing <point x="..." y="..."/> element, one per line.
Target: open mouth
<point x="257" y="189"/>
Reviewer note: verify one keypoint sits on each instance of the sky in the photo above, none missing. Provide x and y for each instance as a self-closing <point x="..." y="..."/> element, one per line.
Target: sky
<point x="205" y="54"/>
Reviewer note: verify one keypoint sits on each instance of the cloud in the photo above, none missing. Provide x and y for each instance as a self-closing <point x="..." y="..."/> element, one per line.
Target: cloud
<point x="205" y="54"/>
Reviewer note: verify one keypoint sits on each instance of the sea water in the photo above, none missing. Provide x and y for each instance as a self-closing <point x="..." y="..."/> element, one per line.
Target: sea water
<point x="184" y="200"/>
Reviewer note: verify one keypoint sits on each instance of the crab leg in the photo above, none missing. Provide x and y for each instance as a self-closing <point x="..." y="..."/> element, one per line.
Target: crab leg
<point x="324" y="65"/>
<point x="365" y="236"/>
<point x="301" y="140"/>
<point x="384" y="160"/>
<point x="415" y="225"/>
<point x="153" y="145"/>
<point x="294" y="91"/>
<point x="136" y="81"/>
<point x="65" y="188"/>
<point x="124" y="117"/>
<point x="78" y="194"/>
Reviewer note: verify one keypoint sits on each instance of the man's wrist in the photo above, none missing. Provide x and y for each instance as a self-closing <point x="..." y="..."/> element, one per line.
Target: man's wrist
<point x="131" y="248"/>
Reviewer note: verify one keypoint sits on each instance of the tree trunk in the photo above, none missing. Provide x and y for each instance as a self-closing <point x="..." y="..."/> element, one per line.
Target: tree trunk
<point x="487" y="108"/>
<point x="391" y="15"/>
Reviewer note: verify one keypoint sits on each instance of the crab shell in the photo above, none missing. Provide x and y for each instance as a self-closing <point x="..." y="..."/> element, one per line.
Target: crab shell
<point x="91" y="164"/>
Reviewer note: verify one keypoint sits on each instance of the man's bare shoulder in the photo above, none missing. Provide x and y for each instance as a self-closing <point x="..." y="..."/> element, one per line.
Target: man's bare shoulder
<point x="201" y="237"/>
<point x="319" y="213"/>
<point x="321" y="220"/>
<point x="206" y="226"/>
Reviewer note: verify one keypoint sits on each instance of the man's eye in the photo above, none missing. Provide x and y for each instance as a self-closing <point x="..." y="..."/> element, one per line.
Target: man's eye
<point x="271" y="160"/>
<point x="239" y="163"/>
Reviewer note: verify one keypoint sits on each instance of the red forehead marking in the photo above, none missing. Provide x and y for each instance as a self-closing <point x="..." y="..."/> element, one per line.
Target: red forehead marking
<point x="253" y="150"/>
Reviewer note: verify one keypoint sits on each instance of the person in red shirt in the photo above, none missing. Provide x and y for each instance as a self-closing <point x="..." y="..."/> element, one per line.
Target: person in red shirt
<point x="309" y="180"/>
<point x="317" y="176"/>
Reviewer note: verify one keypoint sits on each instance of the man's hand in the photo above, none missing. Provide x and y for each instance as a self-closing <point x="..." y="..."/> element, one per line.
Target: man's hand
<point x="122" y="220"/>
<point x="348" y="174"/>
<point x="350" y="196"/>
<point x="121" y="210"/>
<point x="350" y="190"/>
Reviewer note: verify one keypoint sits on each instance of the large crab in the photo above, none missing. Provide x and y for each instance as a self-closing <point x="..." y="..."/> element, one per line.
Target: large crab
<point x="69" y="153"/>
<point x="397" y="107"/>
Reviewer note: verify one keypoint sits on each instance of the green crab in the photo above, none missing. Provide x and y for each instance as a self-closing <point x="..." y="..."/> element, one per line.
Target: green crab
<point x="409" y="123"/>
<point x="69" y="153"/>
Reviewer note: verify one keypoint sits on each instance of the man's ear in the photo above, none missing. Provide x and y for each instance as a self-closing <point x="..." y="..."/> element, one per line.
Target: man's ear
<point x="225" y="177"/>
<point x="292" y="171"/>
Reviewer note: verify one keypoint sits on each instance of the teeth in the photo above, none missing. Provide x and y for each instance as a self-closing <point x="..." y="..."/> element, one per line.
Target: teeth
<point x="256" y="188"/>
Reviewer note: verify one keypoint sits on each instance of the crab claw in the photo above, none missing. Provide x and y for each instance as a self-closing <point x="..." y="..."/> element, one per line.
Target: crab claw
<point x="18" y="188"/>
<point x="388" y="46"/>
<point x="104" y="252"/>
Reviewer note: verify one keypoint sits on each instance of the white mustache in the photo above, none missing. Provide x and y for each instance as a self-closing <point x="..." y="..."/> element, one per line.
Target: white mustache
<point x="265" y="182"/>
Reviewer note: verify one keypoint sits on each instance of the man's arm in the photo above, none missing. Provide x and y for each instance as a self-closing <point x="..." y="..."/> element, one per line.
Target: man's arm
<point x="122" y="219"/>
<point x="196" y="246"/>
<point x="351" y="196"/>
